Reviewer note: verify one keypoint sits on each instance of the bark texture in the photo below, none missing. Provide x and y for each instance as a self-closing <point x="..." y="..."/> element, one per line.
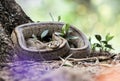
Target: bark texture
<point x="11" y="15"/>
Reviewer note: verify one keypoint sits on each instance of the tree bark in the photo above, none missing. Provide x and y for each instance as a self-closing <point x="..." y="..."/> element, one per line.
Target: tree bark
<point x="11" y="15"/>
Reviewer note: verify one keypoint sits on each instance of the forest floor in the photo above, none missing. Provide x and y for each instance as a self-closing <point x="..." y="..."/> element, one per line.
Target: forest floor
<point x="86" y="69"/>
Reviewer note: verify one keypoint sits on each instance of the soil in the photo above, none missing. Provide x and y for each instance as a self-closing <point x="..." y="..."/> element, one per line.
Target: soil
<point x="53" y="71"/>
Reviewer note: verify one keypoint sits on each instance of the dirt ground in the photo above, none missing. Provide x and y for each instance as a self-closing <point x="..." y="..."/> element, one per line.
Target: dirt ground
<point x="53" y="71"/>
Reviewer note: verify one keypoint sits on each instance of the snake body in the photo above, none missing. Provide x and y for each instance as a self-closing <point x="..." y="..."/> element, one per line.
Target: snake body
<point x="30" y="49"/>
<point x="37" y="44"/>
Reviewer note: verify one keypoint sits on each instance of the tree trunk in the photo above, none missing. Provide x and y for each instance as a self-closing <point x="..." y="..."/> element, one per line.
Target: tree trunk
<point x="11" y="15"/>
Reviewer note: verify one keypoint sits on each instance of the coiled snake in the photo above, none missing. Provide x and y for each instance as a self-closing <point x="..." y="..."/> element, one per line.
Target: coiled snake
<point x="30" y="49"/>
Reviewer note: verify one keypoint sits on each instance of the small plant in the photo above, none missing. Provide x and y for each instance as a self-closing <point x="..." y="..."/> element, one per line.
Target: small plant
<point x="51" y="16"/>
<point x="44" y="34"/>
<point x="65" y="32"/>
<point x="59" y="18"/>
<point x="102" y="45"/>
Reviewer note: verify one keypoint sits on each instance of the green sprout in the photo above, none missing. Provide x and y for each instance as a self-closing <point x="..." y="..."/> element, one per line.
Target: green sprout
<point x="51" y="16"/>
<point x="44" y="33"/>
<point x="65" y="32"/>
<point x="102" y="45"/>
<point x="42" y="36"/>
<point x="59" y="18"/>
<point x="65" y="29"/>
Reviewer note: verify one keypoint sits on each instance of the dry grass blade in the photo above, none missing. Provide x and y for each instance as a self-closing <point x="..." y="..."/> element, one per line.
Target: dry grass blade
<point x="92" y="59"/>
<point x="66" y="62"/>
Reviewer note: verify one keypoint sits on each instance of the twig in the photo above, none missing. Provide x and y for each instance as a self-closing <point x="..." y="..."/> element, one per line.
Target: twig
<point x="51" y="17"/>
<point x="92" y="59"/>
<point x="66" y="59"/>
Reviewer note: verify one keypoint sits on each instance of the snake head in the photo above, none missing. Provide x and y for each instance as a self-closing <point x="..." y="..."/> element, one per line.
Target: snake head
<point x="53" y="44"/>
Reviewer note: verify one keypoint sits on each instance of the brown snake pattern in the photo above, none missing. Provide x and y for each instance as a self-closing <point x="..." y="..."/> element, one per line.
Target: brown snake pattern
<point x="48" y="51"/>
<point x="37" y="44"/>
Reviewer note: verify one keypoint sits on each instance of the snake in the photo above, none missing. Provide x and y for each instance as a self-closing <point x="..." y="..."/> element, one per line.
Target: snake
<point x="37" y="44"/>
<point x="30" y="49"/>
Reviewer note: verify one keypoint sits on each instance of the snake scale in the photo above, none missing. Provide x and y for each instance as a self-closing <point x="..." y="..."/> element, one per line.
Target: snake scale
<point x="34" y="43"/>
<point x="58" y="47"/>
